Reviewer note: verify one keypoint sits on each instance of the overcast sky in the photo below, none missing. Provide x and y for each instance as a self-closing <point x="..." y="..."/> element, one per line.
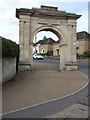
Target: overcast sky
<point x="9" y="24"/>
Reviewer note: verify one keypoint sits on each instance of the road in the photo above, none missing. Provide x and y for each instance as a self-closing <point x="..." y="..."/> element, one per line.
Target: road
<point x="83" y="66"/>
<point x="63" y="102"/>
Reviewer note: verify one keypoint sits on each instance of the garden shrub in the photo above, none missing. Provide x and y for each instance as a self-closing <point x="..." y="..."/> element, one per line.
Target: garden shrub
<point x="9" y="48"/>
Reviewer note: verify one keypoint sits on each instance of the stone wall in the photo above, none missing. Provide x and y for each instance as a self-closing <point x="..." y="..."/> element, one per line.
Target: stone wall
<point x="82" y="45"/>
<point x="8" y="68"/>
<point x="56" y="49"/>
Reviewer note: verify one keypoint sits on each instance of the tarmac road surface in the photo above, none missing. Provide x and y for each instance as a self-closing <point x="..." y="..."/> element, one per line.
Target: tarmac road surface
<point x="44" y="85"/>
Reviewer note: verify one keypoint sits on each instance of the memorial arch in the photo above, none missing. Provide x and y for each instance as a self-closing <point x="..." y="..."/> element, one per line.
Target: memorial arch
<point x="47" y="18"/>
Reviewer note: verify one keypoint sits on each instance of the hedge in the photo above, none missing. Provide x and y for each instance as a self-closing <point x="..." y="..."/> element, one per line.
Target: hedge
<point x="9" y="48"/>
<point x="85" y="54"/>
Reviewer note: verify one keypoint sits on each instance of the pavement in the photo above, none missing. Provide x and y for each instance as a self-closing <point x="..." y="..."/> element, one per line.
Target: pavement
<point x="74" y="111"/>
<point x="43" y="84"/>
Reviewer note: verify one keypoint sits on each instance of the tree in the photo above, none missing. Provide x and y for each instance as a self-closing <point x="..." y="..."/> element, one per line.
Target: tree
<point x="86" y="54"/>
<point x="44" y="37"/>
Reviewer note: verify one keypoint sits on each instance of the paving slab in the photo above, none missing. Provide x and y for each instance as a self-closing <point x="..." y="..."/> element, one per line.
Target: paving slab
<point x="74" y="111"/>
<point x="43" y="84"/>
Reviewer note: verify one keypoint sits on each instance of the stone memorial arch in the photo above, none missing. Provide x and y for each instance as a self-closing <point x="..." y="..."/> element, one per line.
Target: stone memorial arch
<point x="47" y="18"/>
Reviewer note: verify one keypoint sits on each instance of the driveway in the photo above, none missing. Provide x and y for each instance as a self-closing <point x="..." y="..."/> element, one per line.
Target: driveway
<point x="45" y="83"/>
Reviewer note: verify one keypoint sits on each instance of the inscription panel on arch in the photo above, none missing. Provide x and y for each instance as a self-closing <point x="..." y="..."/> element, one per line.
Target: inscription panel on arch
<point x="49" y="22"/>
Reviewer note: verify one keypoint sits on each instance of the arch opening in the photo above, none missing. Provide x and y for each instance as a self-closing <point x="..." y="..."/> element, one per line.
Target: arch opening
<point x="48" y="47"/>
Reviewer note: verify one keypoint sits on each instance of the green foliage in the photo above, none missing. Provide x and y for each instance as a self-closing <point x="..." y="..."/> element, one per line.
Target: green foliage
<point x="43" y="54"/>
<point x="9" y="48"/>
<point x="49" y="53"/>
<point x="85" y="54"/>
<point x="44" y="37"/>
<point x="53" y="57"/>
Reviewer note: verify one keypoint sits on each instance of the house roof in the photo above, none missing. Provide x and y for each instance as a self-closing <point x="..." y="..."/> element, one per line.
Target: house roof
<point x="48" y="41"/>
<point x="83" y="35"/>
<point x="39" y="42"/>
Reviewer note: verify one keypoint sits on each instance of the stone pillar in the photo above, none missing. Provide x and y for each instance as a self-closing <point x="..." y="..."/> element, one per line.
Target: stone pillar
<point x="63" y="56"/>
<point x="74" y="44"/>
<point x="24" y="41"/>
<point x="71" y="60"/>
<point x="31" y="52"/>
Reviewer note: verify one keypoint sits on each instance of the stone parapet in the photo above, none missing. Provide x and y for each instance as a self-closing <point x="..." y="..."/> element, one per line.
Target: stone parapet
<point x="45" y="11"/>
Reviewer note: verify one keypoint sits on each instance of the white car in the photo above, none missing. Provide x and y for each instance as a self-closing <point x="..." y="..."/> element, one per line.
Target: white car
<point x="37" y="57"/>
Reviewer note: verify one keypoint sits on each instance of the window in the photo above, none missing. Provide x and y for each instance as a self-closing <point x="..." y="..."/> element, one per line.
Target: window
<point x="57" y="52"/>
<point x="43" y="51"/>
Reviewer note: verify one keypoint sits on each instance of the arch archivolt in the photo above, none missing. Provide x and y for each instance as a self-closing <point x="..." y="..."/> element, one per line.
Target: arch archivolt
<point x="56" y="30"/>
